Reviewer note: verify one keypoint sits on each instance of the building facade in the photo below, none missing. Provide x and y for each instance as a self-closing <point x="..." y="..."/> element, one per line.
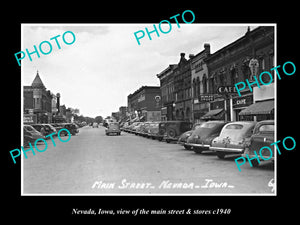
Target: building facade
<point x="145" y="104"/>
<point x="183" y="90"/>
<point x="166" y="78"/>
<point x="244" y="58"/>
<point x="38" y="101"/>
<point x="199" y="84"/>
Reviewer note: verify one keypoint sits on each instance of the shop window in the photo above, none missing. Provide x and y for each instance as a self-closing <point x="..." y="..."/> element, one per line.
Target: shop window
<point x="204" y="83"/>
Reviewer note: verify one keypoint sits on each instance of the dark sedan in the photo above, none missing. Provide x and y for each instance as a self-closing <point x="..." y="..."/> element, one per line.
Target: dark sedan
<point x="263" y="135"/>
<point x="171" y="130"/>
<point x="183" y="138"/>
<point x="201" y="138"/>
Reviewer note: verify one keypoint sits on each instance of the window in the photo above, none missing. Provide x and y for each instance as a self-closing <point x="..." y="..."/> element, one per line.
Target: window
<point x="234" y="126"/>
<point x="208" y="125"/>
<point x="266" y="128"/>
<point x="204" y="83"/>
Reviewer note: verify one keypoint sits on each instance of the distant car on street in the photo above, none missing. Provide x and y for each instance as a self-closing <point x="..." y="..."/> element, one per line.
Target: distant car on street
<point x="113" y="128"/>
<point x="233" y="138"/>
<point x="95" y="125"/>
<point x="201" y="138"/>
<point x="263" y="135"/>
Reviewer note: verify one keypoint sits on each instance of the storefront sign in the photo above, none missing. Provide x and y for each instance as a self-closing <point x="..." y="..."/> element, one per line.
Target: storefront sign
<point x="242" y="102"/>
<point x="206" y="98"/>
<point x="226" y="89"/>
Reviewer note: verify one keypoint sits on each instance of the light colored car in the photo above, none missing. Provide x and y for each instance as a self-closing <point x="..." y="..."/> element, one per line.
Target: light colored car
<point x="95" y="125"/>
<point x="233" y="138"/>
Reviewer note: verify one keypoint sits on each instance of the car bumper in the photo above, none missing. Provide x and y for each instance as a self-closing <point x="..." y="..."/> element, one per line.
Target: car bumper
<point x="198" y="145"/>
<point x="223" y="149"/>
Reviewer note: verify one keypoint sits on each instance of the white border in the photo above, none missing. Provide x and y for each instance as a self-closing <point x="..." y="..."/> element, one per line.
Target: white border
<point x="157" y="194"/>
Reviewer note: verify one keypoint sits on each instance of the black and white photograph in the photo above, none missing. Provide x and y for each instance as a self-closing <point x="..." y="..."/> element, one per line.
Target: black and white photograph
<point x="128" y="111"/>
<point x="144" y="109"/>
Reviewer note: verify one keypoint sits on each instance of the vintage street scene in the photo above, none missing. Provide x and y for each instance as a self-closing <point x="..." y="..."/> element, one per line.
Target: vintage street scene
<point x="104" y="115"/>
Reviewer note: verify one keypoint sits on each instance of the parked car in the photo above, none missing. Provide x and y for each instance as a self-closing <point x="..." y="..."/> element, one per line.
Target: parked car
<point x="201" y="138"/>
<point x="233" y="138"/>
<point x="44" y="129"/>
<point x="138" y="128"/>
<point x="31" y="134"/>
<point x="113" y="128"/>
<point x="183" y="138"/>
<point x="153" y="130"/>
<point x="72" y="128"/>
<point x="263" y="135"/>
<point x="171" y="130"/>
<point x="144" y="129"/>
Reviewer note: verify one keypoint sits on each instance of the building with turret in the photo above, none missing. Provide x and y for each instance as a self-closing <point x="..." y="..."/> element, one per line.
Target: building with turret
<point x="38" y="104"/>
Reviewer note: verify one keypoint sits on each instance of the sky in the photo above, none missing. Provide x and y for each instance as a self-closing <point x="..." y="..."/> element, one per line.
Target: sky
<point x="105" y="63"/>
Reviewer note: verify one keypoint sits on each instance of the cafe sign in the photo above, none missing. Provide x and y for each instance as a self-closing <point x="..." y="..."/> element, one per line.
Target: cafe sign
<point x="242" y="102"/>
<point x="226" y="89"/>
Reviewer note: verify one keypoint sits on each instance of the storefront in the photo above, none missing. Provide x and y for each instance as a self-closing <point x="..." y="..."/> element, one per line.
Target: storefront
<point x="239" y="104"/>
<point x="263" y="107"/>
<point x="216" y="111"/>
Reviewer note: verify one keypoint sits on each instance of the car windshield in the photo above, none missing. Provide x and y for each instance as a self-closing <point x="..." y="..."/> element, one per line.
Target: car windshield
<point x="113" y="125"/>
<point x="266" y="128"/>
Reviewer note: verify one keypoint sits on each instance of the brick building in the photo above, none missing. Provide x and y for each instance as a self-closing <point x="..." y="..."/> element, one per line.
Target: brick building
<point x="38" y="101"/>
<point x="234" y="63"/>
<point x="166" y="78"/>
<point x="182" y="90"/>
<point x="199" y="76"/>
<point x="145" y="103"/>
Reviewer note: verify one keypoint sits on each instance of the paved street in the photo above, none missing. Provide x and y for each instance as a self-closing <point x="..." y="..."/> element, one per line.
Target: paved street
<point x="93" y="163"/>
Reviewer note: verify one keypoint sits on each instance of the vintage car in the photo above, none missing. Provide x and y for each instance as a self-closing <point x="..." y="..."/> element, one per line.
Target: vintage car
<point x="31" y="134"/>
<point x="138" y="129"/>
<point x="263" y="135"/>
<point x="171" y="130"/>
<point x="201" y="138"/>
<point x="72" y="128"/>
<point x="153" y="130"/>
<point x="183" y="138"/>
<point x="131" y="127"/>
<point x="233" y="138"/>
<point x="113" y="128"/>
<point x="44" y="129"/>
<point x="143" y="130"/>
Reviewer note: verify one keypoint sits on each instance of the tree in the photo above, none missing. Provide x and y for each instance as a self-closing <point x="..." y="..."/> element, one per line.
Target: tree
<point x="99" y="119"/>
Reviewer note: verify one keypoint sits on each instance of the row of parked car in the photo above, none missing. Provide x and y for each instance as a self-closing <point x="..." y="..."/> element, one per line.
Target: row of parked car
<point x="33" y="132"/>
<point x="224" y="138"/>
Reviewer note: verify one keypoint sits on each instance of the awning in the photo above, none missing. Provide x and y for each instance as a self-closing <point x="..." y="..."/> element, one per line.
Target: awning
<point x="258" y="108"/>
<point x="213" y="114"/>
